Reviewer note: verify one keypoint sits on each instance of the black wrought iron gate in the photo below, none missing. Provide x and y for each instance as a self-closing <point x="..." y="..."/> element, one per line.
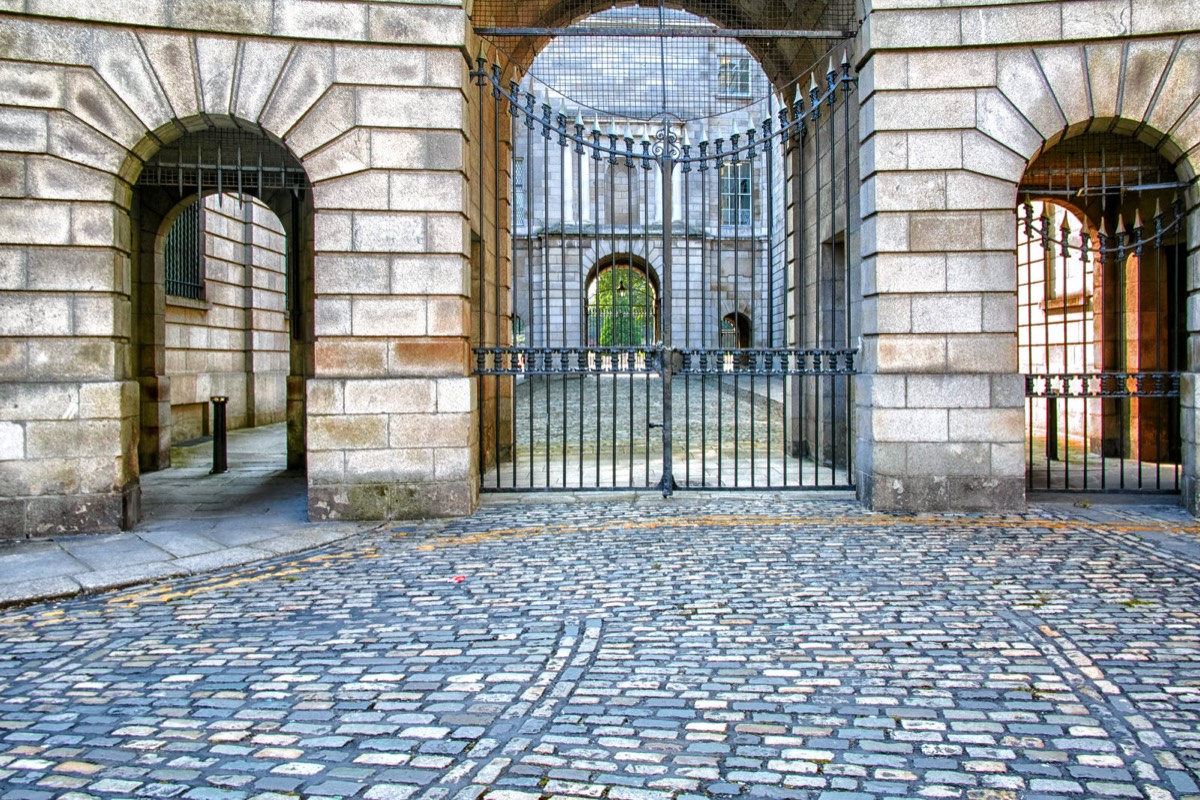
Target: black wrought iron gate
<point x="1101" y="310"/>
<point x="677" y="313"/>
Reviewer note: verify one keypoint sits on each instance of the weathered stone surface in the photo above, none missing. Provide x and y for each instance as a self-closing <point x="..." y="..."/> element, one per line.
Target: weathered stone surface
<point x="407" y="24"/>
<point x="330" y="117"/>
<point x="349" y="432"/>
<point x="910" y="353"/>
<point x="171" y="58"/>
<point x="388" y="316"/>
<point x="1159" y="16"/>
<point x="1021" y="80"/>
<point x="1145" y="62"/>
<point x="216" y="62"/>
<point x="1066" y="75"/>
<point x="88" y="513"/>
<point x="1004" y="24"/>
<point x="1178" y="92"/>
<point x="321" y="19"/>
<point x="260" y="64"/>
<point x="304" y="80"/>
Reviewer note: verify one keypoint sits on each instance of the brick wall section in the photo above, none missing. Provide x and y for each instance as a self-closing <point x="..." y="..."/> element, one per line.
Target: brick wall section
<point x="947" y="134"/>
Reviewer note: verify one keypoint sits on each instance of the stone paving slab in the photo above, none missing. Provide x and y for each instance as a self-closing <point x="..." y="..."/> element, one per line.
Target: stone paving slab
<point x="634" y="650"/>
<point x="182" y="543"/>
<point x="37" y="561"/>
<point x="112" y="551"/>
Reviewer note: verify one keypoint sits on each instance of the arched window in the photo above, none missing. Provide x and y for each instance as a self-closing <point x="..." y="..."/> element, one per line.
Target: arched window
<point x="622" y="305"/>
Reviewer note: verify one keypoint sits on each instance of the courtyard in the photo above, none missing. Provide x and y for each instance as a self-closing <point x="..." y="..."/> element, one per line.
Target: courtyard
<point x="635" y="649"/>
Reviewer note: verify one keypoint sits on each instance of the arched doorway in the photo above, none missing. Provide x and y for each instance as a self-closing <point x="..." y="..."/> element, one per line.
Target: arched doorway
<point x="1101" y="241"/>
<point x="621" y="304"/>
<point x="735" y="331"/>
<point x="739" y="199"/>
<point x="222" y="291"/>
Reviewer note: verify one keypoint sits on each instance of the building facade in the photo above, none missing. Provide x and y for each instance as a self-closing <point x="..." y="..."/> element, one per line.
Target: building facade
<point x="358" y="125"/>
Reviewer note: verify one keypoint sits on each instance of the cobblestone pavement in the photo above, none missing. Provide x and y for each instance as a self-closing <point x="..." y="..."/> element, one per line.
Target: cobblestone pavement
<point x="635" y="651"/>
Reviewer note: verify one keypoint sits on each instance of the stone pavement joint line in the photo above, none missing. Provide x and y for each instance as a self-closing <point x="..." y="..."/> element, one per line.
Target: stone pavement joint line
<point x="715" y="648"/>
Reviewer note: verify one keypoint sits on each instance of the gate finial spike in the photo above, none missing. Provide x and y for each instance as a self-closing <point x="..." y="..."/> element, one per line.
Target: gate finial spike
<point x="831" y="72"/>
<point x="483" y="50"/>
<point x="798" y="98"/>
<point x="845" y="58"/>
<point x="683" y="139"/>
<point x="629" y="130"/>
<point x="1158" y="212"/>
<point x="812" y="82"/>
<point x="595" y="123"/>
<point x="1137" y="220"/>
<point x="704" y="132"/>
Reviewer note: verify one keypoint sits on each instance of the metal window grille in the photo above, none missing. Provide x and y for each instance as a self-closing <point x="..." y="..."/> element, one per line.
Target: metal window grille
<point x="735" y="194"/>
<point x="183" y="254"/>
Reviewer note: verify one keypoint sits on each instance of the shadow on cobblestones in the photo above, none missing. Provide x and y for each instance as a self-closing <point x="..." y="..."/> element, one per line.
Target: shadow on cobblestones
<point x="636" y="651"/>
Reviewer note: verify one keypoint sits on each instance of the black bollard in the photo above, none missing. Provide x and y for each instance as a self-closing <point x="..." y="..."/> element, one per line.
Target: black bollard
<point x="220" y="459"/>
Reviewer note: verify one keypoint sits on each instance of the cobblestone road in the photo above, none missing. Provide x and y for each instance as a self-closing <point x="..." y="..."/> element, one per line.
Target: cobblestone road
<point x="634" y="651"/>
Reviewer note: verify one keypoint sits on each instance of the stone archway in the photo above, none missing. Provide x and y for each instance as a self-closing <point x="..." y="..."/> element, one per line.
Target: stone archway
<point x="378" y="131"/>
<point x="229" y="164"/>
<point x="948" y="136"/>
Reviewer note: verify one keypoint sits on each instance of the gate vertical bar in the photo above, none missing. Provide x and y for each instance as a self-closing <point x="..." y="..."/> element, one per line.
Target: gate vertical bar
<point x="481" y="381"/>
<point x="564" y="161"/>
<point x="704" y="315"/>
<point x="530" y="328"/>
<point x="685" y="218"/>
<point x="846" y="288"/>
<point x="497" y="311"/>
<point x="667" y="165"/>
<point x="769" y="168"/>
<point x="735" y="197"/>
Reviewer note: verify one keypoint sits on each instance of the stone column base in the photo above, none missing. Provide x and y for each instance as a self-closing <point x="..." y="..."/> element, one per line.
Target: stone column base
<point x="54" y="515"/>
<point x="387" y="501"/>
<point x="909" y="494"/>
<point x="1189" y="409"/>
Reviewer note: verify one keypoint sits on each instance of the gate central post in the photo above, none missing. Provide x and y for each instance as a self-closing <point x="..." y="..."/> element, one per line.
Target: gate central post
<point x="667" y="165"/>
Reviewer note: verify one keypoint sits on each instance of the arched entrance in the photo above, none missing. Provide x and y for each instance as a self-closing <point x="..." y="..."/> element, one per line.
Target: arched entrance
<point x="222" y="290"/>
<point x="735" y="331"/>
<point x="621" y="304"/>
<point x="739" y="200"/>
<point x="1101" y="247"/>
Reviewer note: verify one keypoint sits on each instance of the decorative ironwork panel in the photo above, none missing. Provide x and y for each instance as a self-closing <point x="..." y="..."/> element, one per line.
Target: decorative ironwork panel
<point x="567" y="361"/>
<point x="1103" y="384"/>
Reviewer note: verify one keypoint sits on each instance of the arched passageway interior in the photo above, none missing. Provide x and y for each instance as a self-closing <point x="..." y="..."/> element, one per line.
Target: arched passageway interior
<point x="221" y="296"/>
<point x="655" y="183"/>
<point x="1101" y="316"/>
<point x="621" y="305"/>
